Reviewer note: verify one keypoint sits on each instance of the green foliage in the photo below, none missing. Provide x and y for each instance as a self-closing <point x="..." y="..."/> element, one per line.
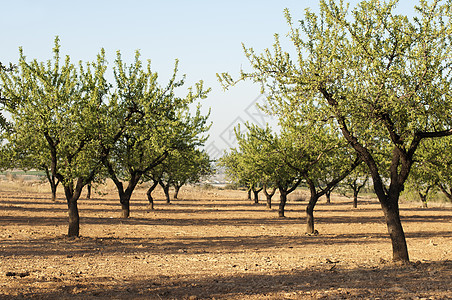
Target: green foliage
<point x="56" y="109"/>
<point x="384" y="79"/>
<point x="150" y="121"/>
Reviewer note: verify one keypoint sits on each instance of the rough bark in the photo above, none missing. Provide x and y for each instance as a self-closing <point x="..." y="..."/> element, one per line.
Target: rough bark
<point x="392" y="217"/>
<point x="400" y="158"/>
<point x="74" y="219"/>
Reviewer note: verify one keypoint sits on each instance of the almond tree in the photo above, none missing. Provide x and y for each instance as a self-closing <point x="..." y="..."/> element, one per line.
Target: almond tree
<point x="186" y="165"/>
<point x="262" y="152"/>
<point x="316" y="151"/>
<point x="356" y="180"/>
<point x="57" y="110"/>
<point x="432" y="169"/>
<point x="384" y="78"/>
<point x="240" y="172"/>
<point x="161" y="123"/>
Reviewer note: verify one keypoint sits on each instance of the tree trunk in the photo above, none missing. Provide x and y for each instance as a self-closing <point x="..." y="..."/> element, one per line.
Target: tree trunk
<point x="176" y="191"/>
<point x="355" y="199"/>
<point x="256" y="196"/>
<point x="125" y="194"/>
<point x="124" y="199"/>
<point x="269" y="201"/>
<point x="74" y="219"/>
<point x="54" y="191"/>
<point x="395" y="229"/>
<point x="165" y="188"/>
<point x="282" y="202"/>
<point x="310" y="214"/>
<point x="423" y="199"/>
<point x="88" y="194"/>
<point x="249" y="194"/>
<point x="53" y="183"/>
<point x="328" y="197"/>
<point x="149" y="194"/>
<point x="269" y="196"/>
<point x="72" y="195"/>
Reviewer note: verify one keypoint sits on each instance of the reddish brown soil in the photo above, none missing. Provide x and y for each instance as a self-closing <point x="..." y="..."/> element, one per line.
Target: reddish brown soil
<point x="214" y="244"/>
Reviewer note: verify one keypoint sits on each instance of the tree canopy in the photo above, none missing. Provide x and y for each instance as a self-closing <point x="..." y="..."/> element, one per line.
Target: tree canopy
<point x="384" y="78"/>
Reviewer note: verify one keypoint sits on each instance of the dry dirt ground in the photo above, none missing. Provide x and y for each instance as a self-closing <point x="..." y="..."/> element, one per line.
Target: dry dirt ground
<point x="214" y="244"/>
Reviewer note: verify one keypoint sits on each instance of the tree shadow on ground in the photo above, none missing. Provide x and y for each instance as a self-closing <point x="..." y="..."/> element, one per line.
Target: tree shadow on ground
<point x="184" y="244"/>
<point x="329" y="281"/>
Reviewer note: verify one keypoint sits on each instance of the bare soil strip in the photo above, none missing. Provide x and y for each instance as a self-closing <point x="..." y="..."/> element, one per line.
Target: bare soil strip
<point x="214" y="244"/>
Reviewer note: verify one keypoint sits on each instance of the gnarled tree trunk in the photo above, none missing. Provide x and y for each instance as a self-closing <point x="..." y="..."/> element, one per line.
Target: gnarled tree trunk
<point x="149" y="194"/>
<point x="165" y="188"/>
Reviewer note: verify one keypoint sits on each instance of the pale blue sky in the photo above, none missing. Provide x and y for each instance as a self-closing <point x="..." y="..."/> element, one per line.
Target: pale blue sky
<point x="205" y="36"/>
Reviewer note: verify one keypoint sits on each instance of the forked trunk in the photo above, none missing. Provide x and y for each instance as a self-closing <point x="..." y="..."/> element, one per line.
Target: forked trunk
<point x="72" y="195"/>
<point x="256" y="196"/>
<point x="126" y="194"/>
<point x="423" y="199"/>
<point x="328" y="197"/>
<point x="249" y="194"/>
<point x="269" y="196"/>
<point x="269" y="200"/>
